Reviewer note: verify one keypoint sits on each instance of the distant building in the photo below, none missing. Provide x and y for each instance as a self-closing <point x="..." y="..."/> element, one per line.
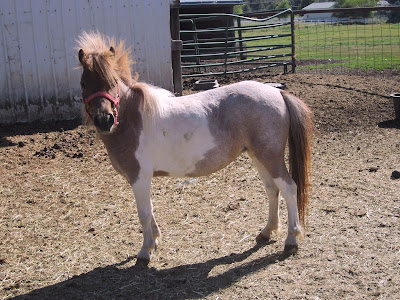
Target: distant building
<point x="208" y="6"/>
<point x="383" y="3"/>
<point x="323" y="16"/>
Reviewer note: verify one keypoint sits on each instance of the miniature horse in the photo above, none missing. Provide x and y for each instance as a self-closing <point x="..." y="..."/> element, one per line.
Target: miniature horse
<point x="148" y="132"/>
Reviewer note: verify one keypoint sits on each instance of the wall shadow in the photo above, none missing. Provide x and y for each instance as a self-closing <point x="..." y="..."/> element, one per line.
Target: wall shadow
<point x="189" y="281"/>
<point x="12" y="130"/>
<point x="390" y="124"/>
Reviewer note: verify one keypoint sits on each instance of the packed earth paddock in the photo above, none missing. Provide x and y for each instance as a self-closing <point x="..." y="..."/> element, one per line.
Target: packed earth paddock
<point x="69" y="225"/>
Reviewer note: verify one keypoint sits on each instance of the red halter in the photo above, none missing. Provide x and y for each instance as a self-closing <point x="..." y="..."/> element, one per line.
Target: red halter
<point x="115" y="101"/>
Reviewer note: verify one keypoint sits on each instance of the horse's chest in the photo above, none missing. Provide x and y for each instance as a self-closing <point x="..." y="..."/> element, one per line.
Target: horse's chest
<point x="126" y="164"/>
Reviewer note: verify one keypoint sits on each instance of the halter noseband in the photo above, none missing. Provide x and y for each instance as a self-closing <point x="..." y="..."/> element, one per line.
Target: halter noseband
<point x="110" y="98"/>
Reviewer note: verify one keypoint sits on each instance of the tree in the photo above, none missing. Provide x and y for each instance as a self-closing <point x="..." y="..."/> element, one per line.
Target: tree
<point x="283" y="4"/>
<point x="353" y="4"/>
<point x="259" y="5"/>
<point x="394" y="16"/>
<point x="238" y="9"/>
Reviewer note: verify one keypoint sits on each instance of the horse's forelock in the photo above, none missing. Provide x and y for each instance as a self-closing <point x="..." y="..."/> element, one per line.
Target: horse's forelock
<point x="104" y="66"/>
<point x="109" y="65"/>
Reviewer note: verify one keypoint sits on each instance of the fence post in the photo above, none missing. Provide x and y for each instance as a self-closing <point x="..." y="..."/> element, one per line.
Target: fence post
<point x="196" y="46"/>
<point x="293" y="41"/>
<point x="176" y="48"/>
<point x="226" y="46"/>
<point x="239" y="25"/>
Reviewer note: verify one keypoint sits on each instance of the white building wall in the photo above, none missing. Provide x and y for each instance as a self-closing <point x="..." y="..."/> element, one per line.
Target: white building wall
<point x="39" y="78"/>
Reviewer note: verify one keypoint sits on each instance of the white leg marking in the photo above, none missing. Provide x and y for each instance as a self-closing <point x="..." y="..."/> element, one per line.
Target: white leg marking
<point x="141" y="189"/>
<point x="288" y="190"/>
<point x="273" y="196"/>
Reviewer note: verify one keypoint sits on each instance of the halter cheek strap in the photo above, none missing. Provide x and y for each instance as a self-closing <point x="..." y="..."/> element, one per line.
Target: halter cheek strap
<point x="110" y="98"/>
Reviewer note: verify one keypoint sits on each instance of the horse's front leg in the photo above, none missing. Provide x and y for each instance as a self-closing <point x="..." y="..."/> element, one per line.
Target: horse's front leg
<point x="141" y="190"/>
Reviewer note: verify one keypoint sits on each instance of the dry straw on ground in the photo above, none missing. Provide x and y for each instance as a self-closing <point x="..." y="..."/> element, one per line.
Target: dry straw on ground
<point x="69" y="228"/>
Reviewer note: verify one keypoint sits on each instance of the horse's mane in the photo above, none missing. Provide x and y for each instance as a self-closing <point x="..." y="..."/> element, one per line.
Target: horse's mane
<point x="110" y="66"/>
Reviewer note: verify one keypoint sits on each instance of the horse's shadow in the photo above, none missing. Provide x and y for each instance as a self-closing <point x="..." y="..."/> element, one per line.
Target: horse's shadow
<point x="181" y="282"/>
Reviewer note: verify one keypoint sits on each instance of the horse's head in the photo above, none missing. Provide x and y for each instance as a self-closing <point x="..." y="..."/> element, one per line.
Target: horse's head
<point x="100" y="91"/>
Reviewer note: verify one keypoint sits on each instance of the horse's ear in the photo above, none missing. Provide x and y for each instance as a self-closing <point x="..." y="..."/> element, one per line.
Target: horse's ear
<point x="112" y="50"/>
<point x="81" y="55"/>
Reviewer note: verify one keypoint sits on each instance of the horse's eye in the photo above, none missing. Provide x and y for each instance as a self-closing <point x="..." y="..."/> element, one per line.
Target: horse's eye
<point x="83" y="86"/>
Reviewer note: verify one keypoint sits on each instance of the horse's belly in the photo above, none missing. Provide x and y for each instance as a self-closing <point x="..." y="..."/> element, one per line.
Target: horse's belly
<point x="196" y="159"/>
<point x="179" y="156"/>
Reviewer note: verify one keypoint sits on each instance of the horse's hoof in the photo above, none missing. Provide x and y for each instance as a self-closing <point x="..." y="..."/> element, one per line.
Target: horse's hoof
<point x="291" y="249"/>
<point x="142" y="262"/>
<point x="260" y="239"/>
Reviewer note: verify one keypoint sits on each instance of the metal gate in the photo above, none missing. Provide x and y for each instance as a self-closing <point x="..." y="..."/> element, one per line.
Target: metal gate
<point x="221" y="44"/>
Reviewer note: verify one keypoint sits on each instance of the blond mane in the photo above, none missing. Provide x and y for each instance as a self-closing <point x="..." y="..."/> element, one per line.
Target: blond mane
<point x="98" y="58"/>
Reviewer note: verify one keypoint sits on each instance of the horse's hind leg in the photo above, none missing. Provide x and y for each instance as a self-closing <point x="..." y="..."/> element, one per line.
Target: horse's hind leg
<point x="282" y="181"/>
<point x="288" y="189"/>
<point x="272" y="191"/>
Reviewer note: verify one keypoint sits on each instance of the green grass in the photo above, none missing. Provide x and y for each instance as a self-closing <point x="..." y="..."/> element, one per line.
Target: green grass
<point x="371" y="46"/>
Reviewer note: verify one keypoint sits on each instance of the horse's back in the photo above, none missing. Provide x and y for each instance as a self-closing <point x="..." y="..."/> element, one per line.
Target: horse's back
<point x="247" y="111"/>
<point x="245" y="102"/>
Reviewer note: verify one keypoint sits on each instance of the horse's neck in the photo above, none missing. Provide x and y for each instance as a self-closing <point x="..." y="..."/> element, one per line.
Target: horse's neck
<point x="133" y="117"/>
<point x="124" y="90"/>
<point x="129" y="107"/>
<point x="129" y="118"/>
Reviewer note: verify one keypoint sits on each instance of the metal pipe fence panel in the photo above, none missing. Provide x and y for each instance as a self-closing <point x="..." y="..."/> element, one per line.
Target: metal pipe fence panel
<point x="222" y="44"/>
<point x="308" y="41"/>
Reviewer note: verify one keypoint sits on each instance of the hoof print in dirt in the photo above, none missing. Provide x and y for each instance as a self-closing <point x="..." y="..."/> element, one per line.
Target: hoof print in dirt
<point x="78" y="155"/>
<point x="46" y="152"/>
<point x="56" y="146"/>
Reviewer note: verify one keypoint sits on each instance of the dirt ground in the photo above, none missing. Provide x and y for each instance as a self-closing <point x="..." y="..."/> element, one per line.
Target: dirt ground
<point x="69" y="227"/>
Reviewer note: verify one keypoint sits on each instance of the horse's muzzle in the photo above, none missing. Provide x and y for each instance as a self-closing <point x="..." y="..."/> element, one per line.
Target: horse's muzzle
<point x="103" y="122"/>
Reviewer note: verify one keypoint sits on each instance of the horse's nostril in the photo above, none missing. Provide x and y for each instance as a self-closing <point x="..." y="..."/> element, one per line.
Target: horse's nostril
<point x="110" y="119"/>
<point x="103" y="122"/>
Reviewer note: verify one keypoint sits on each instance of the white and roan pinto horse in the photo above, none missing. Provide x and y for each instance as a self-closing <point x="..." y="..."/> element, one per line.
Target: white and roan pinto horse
<point x="149" y="132"/>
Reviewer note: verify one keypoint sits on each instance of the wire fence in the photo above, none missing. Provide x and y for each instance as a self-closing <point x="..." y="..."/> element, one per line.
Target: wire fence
<point x="332" y="45"/>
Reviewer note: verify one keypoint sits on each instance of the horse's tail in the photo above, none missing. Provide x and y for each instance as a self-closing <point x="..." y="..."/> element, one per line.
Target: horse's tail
<point x="300" y="138"/>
